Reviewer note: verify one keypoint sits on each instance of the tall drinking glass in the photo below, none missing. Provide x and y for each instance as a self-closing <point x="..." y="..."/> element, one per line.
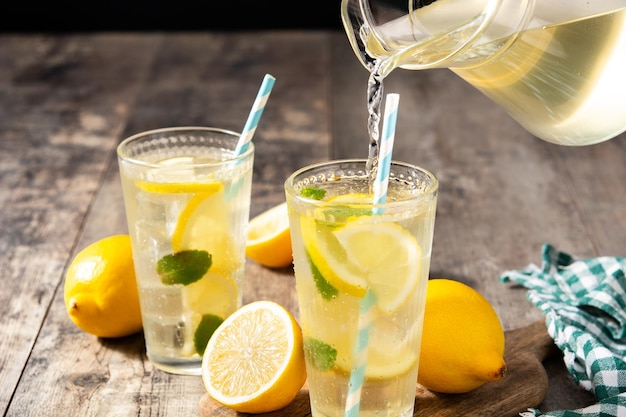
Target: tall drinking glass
<point x="187" y="199"/>
<point x="361" y="276"/>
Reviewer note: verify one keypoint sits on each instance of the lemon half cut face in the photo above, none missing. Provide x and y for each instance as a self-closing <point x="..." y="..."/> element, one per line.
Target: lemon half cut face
<point x="254" y="363"/>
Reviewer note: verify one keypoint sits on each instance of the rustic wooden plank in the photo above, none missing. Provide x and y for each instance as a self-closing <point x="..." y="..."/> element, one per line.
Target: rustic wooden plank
<point x="59" y="125"/>
<point x="194" y="79"/>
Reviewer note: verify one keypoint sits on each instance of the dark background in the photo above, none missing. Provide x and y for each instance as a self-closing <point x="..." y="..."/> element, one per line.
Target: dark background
<point x="167" y="15"/>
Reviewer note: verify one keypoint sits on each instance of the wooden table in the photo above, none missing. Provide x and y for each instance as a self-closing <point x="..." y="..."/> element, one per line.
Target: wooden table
<point x="68" y="100"/>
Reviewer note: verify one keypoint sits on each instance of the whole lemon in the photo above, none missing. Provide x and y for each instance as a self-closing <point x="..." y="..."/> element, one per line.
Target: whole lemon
<point x="462" y="340"/>
<point x="101" y="290"/>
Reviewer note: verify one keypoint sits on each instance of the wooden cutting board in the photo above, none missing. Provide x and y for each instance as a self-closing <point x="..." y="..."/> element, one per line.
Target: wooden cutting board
<point x="525" y="385"/>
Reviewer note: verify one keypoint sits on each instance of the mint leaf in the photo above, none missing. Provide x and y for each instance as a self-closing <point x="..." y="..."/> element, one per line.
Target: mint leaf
<point x="322" y="355"/>
<point x="325" y="288"/>
<point x="205" y="330"/>
<point x="313" y="192"/>
<point x="183" y="267"/>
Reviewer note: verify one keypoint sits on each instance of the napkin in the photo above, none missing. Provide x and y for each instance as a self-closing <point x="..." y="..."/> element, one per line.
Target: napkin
<point x="584" y="301"/>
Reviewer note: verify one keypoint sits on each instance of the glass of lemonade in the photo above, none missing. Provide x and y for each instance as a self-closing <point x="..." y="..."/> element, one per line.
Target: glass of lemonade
<point x="187" y="200"/>
<point x="361" y="276"/>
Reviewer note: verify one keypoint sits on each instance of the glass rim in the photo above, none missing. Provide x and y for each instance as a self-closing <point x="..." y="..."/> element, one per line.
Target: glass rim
<point x="124" y="156"/>
<point x="291" y="181"/>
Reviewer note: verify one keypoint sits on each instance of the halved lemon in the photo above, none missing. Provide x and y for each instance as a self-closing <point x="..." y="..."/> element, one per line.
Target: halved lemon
<point x="203" y="225"/>
<point x="269" y="238"/>
<point x="254" y="362"/>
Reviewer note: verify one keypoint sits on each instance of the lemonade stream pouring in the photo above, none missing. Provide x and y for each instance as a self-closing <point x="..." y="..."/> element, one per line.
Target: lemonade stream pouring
<point x="556" y="66"/>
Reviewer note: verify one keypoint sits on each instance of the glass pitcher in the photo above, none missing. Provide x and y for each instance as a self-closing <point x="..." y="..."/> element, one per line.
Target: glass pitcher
<point x="558" y="67"/>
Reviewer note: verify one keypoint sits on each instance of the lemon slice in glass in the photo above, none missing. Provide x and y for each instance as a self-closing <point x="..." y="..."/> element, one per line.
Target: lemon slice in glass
<point x="385" y="255"/>
<point x="391" y="349"/>
<point x="203" y="225"/>
<point x="330" y="258"/>
<point x="213" y="294"/>
<point x="360" y="255"/>
<point x="179" y="187"/>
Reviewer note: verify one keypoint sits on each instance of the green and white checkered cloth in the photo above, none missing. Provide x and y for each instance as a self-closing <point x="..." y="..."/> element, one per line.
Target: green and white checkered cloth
<point x="584" y="301"/>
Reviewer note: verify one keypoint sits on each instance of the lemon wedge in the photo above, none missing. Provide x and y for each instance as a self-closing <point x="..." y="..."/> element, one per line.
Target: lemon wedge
<point x="269" y="238"/>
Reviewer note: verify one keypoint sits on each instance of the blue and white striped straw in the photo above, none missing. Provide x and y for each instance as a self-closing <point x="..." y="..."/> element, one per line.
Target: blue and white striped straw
<point x="357" y="376"/>
<point x="386" y="148"/>
<point x="255" y="114"/>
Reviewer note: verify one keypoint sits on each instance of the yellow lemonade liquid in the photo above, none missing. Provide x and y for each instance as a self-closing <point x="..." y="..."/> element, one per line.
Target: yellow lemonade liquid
<point x="172" y="209"/>
<point x="563" y="82"/>
<point x="330" y="308"/>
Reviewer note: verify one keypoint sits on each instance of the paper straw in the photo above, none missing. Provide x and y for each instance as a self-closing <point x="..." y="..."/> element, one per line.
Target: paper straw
<point x="357" y="376"/>
<point x="386" y="147"/>
<point x="250" y="127"/>
<point x="255" y="114"/>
